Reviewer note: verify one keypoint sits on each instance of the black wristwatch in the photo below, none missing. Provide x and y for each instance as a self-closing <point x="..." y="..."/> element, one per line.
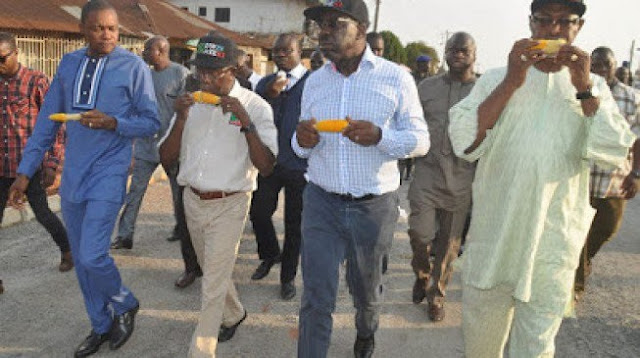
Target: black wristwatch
<point x="588" y="94"/>
<point x="248" y="129"/>
<point x="635" y="173"/>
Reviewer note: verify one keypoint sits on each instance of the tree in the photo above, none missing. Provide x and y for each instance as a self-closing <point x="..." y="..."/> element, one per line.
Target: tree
<point x="393" y="49"/>
<point x="418" y="48"/>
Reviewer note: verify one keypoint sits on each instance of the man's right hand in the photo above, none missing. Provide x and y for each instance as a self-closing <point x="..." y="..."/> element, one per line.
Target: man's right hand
<point x="521" y="58"/>
<point x="183" y="103"/>
<point x="17" y="190"/>
<point x="307" y="134"/>
<point x="276" y="86"/>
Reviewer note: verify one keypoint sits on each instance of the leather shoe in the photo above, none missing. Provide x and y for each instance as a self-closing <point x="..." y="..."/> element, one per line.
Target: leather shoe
<point x="419" y="292"/>
<point x="173" y="238"/>
<point x="226" y="333"/>
<point x="122" y="243"/>
<point x="288" y="290"/>
<point x="363" y="348"/>
<point x="263" y="269"/>
<point x="122" y="328"/>
<point x="66" y="263"/>
<point x="91" y="344"/>
<point x="1" y="288"/>
<point x="436" y="312"/>
<point x="186" y="279"/>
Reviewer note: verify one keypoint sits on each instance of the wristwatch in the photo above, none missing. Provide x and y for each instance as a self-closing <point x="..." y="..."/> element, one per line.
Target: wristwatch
<point x="248" y="129"/>
<point x="591" y="92"/>
<point x="635" y="173"/>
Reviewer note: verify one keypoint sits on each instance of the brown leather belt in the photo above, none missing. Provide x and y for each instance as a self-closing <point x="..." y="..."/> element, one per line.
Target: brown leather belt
<point x="210" y="195"/>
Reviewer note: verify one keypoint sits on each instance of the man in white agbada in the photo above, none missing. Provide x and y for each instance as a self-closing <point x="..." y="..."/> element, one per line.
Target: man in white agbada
<point x="533" y="127"/>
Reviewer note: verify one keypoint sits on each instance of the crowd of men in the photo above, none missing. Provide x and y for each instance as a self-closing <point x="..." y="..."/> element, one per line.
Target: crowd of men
<point x="541" y="155"/>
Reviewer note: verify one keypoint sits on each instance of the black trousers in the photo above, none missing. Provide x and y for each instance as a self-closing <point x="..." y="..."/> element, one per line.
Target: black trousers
<point x="264" y="204"/>
<point x="180" y="230"/>
<point x="37" y="198"/>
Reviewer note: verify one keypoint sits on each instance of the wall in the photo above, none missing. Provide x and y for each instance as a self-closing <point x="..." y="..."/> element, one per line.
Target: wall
<point x="262" y="16"/>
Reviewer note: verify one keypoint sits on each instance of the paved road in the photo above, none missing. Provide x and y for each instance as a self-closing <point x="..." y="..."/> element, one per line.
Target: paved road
<point x="41" y="311"/>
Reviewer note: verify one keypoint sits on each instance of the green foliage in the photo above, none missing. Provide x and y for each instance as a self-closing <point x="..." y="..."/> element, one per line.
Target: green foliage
<point x="418" y="48"/>
<point x="393" y="49"/>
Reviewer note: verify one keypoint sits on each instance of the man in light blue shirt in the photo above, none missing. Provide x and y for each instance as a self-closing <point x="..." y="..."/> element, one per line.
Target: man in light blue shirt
<point x="350" y="205"/>
<point x="113" y="91"/>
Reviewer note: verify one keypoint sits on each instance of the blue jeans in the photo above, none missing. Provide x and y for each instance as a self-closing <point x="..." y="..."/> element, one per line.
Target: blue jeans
<point x="335" y="229"/>
<point x="142" y="172"/>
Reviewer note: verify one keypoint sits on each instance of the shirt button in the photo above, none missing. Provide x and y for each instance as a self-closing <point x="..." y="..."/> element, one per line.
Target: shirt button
<point x="93" y="60"/>
<point x="84" y="92"/>
<point x="88" y="76"/>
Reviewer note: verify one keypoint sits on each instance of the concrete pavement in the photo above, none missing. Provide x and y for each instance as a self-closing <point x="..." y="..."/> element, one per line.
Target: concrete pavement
<point x="42" y="314"/>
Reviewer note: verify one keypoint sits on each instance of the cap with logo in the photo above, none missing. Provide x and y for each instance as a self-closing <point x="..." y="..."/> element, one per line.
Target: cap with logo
<point x="577" y="6"/>
<point x="355" y="9"/>
<point x="215" y="52"/>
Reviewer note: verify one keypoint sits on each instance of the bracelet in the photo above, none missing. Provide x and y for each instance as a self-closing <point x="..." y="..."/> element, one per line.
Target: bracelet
<point x="248" y="129"/>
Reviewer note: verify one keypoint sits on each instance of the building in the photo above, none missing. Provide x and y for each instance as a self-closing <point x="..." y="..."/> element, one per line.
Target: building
<point x="251" y="16"/>
<point x="47" y="29"/>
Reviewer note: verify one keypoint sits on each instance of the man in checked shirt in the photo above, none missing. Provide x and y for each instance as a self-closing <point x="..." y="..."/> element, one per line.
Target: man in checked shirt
<point x="610" y="190"/>
<point x="22" y="91"/>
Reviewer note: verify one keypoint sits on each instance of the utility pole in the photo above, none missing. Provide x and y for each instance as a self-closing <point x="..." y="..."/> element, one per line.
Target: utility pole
<point x="631" y="56"/>
<point x="375" y="20"/>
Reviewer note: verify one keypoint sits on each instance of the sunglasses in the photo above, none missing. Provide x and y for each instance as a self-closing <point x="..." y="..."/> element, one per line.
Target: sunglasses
<point x="4" y="58"/>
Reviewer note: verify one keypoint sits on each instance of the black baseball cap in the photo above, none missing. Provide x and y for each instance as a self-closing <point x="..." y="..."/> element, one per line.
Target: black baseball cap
<point x="215" y="51"/>
<point x="577" y="6"/>
<point x="355" y="9"/>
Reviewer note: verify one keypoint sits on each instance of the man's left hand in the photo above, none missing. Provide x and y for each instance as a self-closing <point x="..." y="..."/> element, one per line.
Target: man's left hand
<point x="95" y="119"/>
<point x="17" y="190"/>
<point x="364" y="133"/>
<point x="233" y="105"/>
<point x="630" y="186"/>
<point x="48" y="177"/>
<point x="579" y="64"/>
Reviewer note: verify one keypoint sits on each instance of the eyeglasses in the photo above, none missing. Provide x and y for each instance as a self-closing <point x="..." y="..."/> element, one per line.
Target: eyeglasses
<point x="212" y="74"/>
<point x="335" y="23"/>
<point x="4" y="58"/>
<point x="548" y="21"/>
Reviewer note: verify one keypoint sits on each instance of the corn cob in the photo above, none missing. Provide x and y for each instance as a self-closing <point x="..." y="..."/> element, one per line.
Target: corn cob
<point x="550" y="47"/>
<point x="331" y="125"/>
<point x="205" y="97"/>
<point x="63" y="117"/>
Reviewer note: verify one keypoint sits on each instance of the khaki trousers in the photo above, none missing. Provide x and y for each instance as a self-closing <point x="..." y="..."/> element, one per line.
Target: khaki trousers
<point x="216" y="228"/>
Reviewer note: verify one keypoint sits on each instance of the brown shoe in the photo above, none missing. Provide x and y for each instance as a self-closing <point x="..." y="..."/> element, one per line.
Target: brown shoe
<point x="186" y="279"/>
<point x="66" y="263"/>
<point x="436" y="311"/>
<point x="1" y="288"/>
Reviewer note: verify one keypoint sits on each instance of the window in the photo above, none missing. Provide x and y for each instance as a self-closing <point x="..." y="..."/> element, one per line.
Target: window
<point x="202" y="11"/>
<point x="185" y="8"/>
<point x="223" y="14"/>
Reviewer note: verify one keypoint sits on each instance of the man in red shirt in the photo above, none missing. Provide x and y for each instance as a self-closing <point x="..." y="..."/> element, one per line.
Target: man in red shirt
<point x="22" y="92"/>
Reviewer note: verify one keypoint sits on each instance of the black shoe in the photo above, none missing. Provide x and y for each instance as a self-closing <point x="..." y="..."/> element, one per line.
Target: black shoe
<point x="436" y="311"/>
<point x="288" y="290"/>
<point x="1" y="288"/>
<point x="186" y="279"/>
<point x="419" y="292"/>
<point x="363" y="348"/>
<point x="122" y="243"/>
<point x="173" y="238"/>
<point x="226" y="333"/>
<point x="122" y="328"/>
<point x="91" y="344"/>
<point x="264" y="268"/>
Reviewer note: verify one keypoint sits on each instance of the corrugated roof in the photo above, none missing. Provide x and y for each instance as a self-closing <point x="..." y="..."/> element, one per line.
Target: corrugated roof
<point x="139" y="18"/>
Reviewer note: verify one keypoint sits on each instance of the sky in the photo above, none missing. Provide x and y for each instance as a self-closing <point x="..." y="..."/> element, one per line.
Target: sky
<point x="497" y="24"/>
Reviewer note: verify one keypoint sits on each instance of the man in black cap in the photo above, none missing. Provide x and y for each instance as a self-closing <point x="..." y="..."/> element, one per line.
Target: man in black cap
<point x="350" y="204"/>
<point x="532" y="127"/>
<point x="221" y="147"/>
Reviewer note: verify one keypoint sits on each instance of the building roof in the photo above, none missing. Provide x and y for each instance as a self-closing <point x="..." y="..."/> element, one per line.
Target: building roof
<point x="138" y="18"/>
